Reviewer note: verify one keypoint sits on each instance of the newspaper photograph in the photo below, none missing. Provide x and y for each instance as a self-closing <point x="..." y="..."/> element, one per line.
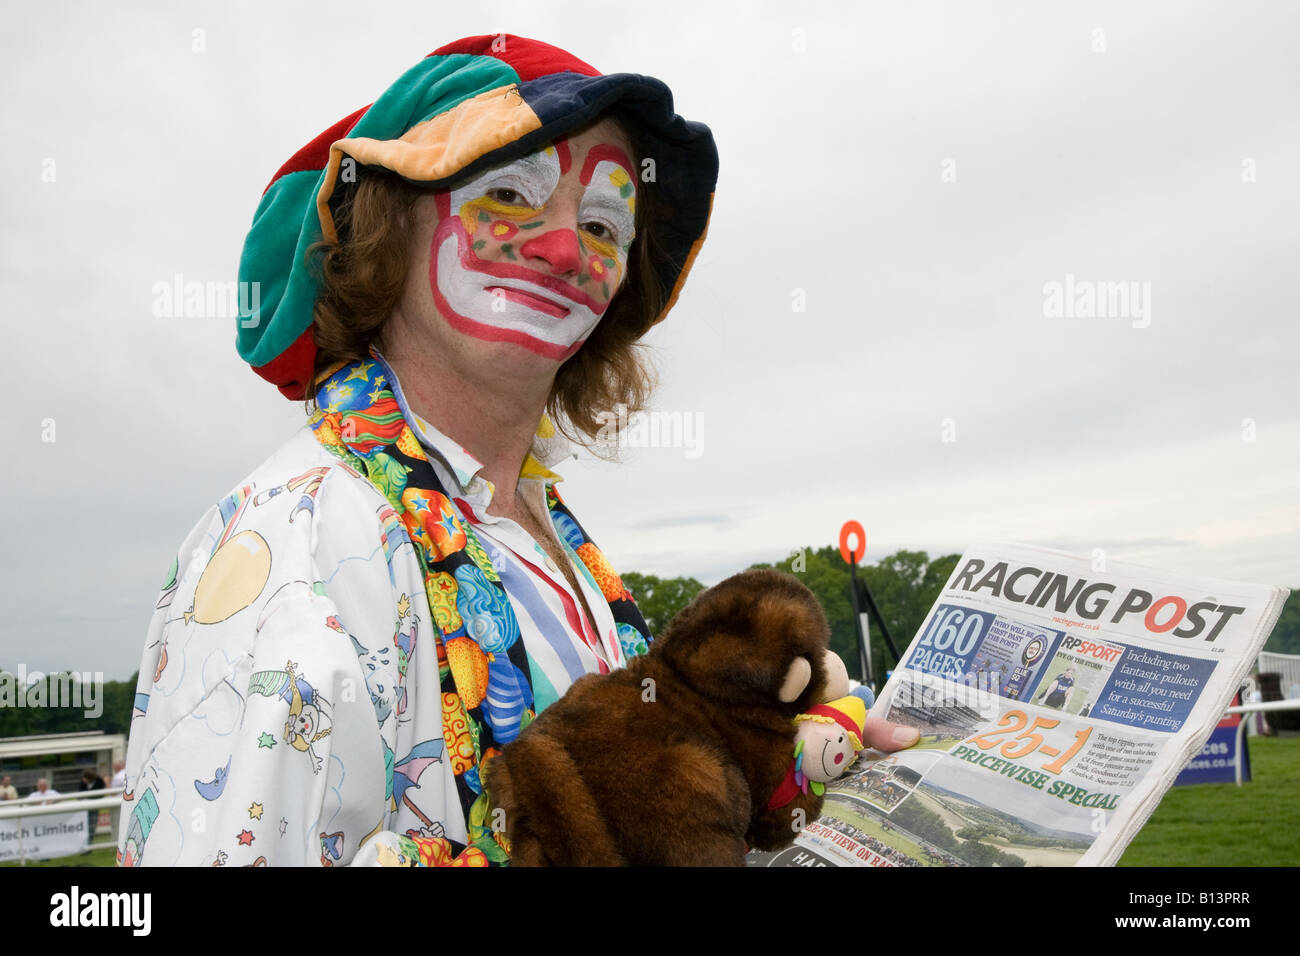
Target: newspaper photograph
<point x="1056" y="702"/>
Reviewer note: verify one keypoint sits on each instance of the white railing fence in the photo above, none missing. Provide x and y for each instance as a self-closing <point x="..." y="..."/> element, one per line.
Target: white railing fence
<point x="1286" y="665"/>
<point x="1255" y="708"/>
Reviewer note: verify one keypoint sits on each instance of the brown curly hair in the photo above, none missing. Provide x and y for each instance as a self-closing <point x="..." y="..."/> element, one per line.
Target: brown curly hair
<point x="363" y="274"/>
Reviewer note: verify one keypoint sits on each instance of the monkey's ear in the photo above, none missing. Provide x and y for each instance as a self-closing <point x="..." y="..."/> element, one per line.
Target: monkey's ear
<point x="796" y="680"/>
<point x="837" y="676"/>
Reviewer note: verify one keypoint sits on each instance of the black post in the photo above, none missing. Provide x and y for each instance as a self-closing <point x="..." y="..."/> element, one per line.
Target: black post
<point x="864" y="654"/>
<point x="880" y="620"/>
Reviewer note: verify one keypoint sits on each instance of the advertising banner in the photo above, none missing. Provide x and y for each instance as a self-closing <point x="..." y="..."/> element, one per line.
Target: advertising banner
<point x="44" y="837"/>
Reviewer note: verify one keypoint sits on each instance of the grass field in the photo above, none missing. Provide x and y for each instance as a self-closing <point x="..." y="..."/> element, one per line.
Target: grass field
<point x="1221" y="824"/>
<point x="1209" y="824"/>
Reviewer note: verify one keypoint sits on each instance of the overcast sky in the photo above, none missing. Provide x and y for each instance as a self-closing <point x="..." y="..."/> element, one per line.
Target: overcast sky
<point x="915" y="175"/>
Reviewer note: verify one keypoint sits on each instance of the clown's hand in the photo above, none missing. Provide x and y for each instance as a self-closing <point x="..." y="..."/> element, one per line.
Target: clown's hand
<point x="884" y="735"/>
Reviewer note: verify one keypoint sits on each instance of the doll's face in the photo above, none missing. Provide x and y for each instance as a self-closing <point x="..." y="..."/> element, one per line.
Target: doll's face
<point x="827" y="751"/>
<point x="531" y="253"/>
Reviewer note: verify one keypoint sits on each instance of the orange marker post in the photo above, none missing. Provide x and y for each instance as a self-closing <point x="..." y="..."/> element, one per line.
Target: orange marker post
<point x="851" y="555"/>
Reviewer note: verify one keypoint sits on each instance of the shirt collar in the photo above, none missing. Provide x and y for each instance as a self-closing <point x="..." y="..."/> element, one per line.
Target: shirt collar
<point x="549" y="447"/>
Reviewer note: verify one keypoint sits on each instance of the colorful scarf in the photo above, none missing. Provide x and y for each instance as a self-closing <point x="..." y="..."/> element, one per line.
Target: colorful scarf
<point x="487" y="697"/>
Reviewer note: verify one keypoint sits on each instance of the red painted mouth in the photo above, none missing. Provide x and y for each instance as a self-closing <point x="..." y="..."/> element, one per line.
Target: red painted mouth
<point x="529" y="300"/>
<point x="470" y="261"/>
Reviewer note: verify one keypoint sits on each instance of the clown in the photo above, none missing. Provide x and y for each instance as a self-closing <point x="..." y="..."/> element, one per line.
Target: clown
<point x="454" y="280"/>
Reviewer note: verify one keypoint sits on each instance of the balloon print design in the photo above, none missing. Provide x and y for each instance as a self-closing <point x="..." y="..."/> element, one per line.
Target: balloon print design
<point x="233" y="579"/>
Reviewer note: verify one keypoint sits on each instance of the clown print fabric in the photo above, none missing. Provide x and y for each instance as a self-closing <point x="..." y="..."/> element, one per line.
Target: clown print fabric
<point x="344" y="640"/>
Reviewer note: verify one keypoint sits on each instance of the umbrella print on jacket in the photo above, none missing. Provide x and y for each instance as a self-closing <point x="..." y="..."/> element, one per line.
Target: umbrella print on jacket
<point x="407" y="772"/>
<point x="308" y="720"/>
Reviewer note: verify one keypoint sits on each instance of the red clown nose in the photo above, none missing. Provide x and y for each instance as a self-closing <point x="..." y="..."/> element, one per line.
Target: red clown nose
<point x="559" y="247"/>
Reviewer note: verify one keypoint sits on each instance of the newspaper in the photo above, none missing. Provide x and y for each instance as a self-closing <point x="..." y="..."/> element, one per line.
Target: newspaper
<point x="1057" y="698"/>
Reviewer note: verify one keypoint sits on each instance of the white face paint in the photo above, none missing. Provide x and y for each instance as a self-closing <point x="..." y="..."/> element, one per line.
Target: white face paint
<point x="605" y="202"/>
<point x="534" y="177"/>
<point x="494" y="232"/>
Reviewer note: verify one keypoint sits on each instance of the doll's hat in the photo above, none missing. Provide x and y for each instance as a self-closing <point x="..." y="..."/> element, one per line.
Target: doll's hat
<point x="849" y="712"/>
<point x="466" y="107"/>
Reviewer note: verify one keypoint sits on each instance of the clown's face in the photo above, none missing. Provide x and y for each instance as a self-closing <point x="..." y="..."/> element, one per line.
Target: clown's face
<point x="529" y="254"/>
<point x="306" y="723"/>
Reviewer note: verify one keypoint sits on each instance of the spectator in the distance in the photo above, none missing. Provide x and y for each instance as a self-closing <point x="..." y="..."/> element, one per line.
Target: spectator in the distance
<point x="43" y="789"/>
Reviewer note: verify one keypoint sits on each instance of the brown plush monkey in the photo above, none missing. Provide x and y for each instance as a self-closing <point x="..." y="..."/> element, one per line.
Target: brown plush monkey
<point x="672" y="760"/>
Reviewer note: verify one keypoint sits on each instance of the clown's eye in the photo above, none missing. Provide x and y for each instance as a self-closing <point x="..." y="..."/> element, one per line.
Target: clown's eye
<point x="507" y="197"/>
<point x="599" y="230"/>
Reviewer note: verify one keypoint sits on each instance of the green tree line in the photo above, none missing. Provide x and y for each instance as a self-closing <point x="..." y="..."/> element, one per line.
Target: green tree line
<point x="105" y="706"/>
<point x="1285" y="638"/>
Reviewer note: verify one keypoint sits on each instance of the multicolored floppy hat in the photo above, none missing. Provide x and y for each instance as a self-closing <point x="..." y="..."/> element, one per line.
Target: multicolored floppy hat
<point x="466" y="107"/>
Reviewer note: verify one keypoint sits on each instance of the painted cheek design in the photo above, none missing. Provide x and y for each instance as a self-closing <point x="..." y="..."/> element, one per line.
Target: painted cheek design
<point x="610" y="200"/>
<point x="622" y="181"/>
<point x="531" y="178"/>
<point x="500" y="229"/>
